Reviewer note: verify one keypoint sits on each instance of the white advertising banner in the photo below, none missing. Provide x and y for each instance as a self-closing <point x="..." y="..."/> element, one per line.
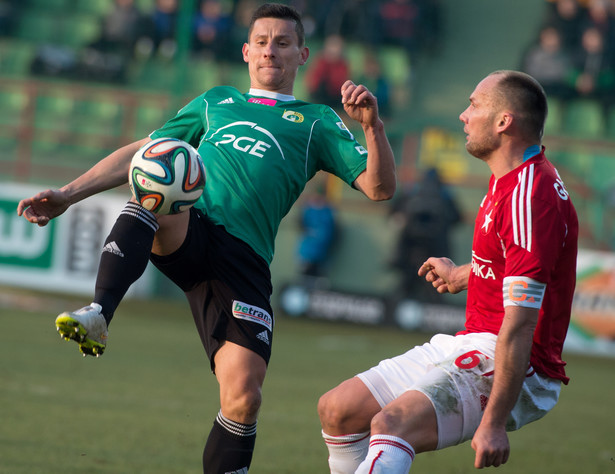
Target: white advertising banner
<point x="63" y="256"/>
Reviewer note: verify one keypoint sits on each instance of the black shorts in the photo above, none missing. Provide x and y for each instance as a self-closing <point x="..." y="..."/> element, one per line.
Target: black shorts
<point x="227" y="284"/>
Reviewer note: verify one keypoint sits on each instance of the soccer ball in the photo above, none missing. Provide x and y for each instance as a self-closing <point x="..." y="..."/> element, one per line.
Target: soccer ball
<point x="166" y="176"/>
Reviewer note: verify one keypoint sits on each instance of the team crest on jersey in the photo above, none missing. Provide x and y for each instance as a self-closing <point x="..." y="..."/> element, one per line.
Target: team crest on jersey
<point x="253" y="314"/>
<point x="293" y="116"/>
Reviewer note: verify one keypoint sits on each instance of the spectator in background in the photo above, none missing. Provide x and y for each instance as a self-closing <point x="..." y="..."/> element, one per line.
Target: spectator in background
<point x="568" y="17"/>
<point x="161" y="28"/>
<point x="211" y="29"/>
<point x="108" y="57"/>
<point x="374" y="80"/>
<point x="121" y="28"/>
<point x="241" y="16"/>
<point x="426" y="212"/>
<point x="398" y="23"/>
<point x="352" y="19"/>
<point x="549" y="63"/>
<point x="594" y="75"/>
<point x="318" y="233"/>
<point x="429" y="25"/>
<point x="600" y="16"/>
<point x="9" y="10"/>
<point x="328" y="72"/>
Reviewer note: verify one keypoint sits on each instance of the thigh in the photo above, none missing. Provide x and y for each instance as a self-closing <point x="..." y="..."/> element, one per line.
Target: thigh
<point x="453" y="372"/>
<point x="188" y="264"/>
<point x="392" y="377"/>
<point x="171" y="233"/>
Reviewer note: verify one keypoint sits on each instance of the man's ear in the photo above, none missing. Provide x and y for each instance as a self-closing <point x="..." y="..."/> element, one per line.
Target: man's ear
<point x="245" y="49"/>
<point x="505" y="121"/>
<point x="305" y="54"/>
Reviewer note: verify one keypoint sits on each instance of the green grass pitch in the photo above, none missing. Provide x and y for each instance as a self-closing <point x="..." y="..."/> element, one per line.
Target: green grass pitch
<point x="147" y="405"/>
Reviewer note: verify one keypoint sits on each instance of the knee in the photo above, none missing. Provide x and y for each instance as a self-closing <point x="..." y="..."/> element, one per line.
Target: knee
<point x="243" y="406"/>
<point x="384" y="422"/>
<point x="330" y="411"/>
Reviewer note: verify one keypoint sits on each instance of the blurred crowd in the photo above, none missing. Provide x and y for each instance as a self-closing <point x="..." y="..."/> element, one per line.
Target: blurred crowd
<point x="131" y="32"/>
<point x="219" y="27"/>
<point x="573" y="55"/>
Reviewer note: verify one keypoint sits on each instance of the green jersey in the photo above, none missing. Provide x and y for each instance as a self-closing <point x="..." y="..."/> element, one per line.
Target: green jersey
<point x="259" y="152"/>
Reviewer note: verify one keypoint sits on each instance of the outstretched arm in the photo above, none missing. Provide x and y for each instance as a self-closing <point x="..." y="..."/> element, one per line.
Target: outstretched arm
<point x="108" y="173"/>
<point x="378" y="181"/>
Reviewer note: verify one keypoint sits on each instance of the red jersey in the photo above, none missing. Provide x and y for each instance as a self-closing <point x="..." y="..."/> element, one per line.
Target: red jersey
<point x="524" y="252"/>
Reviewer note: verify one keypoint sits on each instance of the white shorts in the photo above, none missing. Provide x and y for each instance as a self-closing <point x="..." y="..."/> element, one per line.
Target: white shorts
<point x="456" y="374"/>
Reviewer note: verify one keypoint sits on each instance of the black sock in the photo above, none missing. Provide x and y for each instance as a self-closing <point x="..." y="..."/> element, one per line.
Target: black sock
<point x="124" y="256"/>
<point x="229" y="447"/>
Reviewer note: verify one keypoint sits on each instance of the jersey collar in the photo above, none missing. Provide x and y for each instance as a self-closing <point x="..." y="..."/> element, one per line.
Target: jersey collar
<point x="271" y="95"/>
<point x="530" y="152"/>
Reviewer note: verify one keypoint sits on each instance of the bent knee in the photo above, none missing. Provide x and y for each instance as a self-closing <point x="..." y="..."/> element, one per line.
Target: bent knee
<point x="341" y="415"/>
<point x="242" y="407"/>
<point x="329" y="410"/>
<point x="385" y="422"/>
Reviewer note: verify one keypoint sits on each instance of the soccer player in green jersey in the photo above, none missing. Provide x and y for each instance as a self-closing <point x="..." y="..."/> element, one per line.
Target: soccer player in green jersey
<point x="259" y="149"/>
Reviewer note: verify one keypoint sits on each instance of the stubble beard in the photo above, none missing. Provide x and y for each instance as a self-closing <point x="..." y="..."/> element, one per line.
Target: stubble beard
<point x="482" y="149"/>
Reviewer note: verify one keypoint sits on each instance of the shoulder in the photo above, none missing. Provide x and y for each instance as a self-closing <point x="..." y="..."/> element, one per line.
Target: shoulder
<point x="308" y="109"/>
<point x="221" y="92"/>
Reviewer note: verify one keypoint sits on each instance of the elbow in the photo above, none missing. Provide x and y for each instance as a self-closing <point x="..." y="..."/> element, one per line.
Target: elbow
<point x="383" y="193"/>
<point x="376" y="188"/>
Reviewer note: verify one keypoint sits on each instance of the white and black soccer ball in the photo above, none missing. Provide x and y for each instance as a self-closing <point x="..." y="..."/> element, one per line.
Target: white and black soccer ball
<point x="166" y="176"/>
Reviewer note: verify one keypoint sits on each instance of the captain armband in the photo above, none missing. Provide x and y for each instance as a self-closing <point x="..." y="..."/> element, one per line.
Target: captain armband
<point x="523" y="291"/>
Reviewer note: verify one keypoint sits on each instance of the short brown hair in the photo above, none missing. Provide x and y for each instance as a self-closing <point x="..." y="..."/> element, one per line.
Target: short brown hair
<point x="527" y="98"/>
<point x="284" y="12"/>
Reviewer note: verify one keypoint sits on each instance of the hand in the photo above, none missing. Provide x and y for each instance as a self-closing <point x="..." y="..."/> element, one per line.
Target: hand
<point x="360" y="104"/>
<point x="43" y="207"/>
<point x="491" y="446"/>
<point x="444" y="275"/>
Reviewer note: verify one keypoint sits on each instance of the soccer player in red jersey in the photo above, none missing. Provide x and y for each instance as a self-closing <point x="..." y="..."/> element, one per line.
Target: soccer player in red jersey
<point x="505" y="369"/>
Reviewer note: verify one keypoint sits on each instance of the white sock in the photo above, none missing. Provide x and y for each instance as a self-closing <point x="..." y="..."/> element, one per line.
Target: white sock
<point x="346" y="452"/>
<point x="387" y="454"/>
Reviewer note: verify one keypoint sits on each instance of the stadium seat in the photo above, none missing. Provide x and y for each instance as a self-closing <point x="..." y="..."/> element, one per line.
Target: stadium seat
<point x="98" y="116"/>
<point x="396" y="64"/>
<point x="16" y="56"/>
<point x="149" y="118"/>
<point x="79" y="30"/>
<point x="611" y="123"/>
<point x="56" y="5"/>
<point x="553" y="124"/>
<point x="95" y="7"/>
<point x="13" y="102"/>
<point x="202" y="75"/>
<point x="73" y="155"/>
<point x="154" y="74"/>
<point x="41" y="27"/>
<point x="54" y="112"/>
<point x="8" y="149"/>
<point x="584" y="118"/>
